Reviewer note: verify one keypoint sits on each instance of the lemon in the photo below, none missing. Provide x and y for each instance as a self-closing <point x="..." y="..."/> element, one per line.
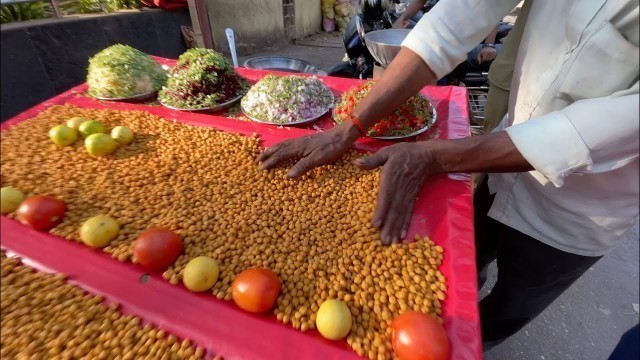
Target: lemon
<point x="333" y="319"/>
<point x="122" y="134"/>
<point x="91" y="127"/>
<point x="200" y="274"/>
<point x="100" y="144"/>
<point x="75" y="122"/>
<point x="11" y="199"/>
<point x="63" y="135"/>
<point x="99" y="231"/>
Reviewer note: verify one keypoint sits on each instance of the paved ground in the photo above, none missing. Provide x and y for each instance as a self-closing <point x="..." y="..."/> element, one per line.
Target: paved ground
<point x="587" y="321"/>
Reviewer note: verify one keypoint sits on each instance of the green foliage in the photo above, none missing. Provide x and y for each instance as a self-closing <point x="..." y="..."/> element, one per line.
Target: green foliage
<point x="42" y="9"/>
<point x="25" y="11"/>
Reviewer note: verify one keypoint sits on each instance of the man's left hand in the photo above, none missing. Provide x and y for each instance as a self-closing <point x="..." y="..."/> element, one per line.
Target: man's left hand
<point x="487" y="53"/>
<point x="406" y="167"/>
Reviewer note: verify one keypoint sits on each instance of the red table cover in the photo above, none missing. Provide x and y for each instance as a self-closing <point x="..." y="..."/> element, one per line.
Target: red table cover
<point x="443" y="211"/>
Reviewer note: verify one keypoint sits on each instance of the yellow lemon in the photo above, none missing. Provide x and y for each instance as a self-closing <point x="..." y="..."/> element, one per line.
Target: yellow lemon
<point x="63" y="135"/>
<point x="91" y="127"/>
<point x="333" y="319"/>
<point x="10" y="198"/>
<point x="99" y="231"/>
<point x="122" y="134"/>
<point x="100" y="144"/>
<point x="200" y="274"/>
<point x="75" y="122"/>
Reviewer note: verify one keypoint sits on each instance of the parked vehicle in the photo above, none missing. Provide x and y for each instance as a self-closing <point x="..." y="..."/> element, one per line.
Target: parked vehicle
<point x="378" y="15"/>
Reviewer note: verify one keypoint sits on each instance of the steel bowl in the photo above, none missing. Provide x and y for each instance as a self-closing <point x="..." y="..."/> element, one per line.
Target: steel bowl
<point x="218" y="107"/>
<point x="400" y="137"/>
<point x="384" y="45"/>
<point x="280" y="63"/>
<point x="134" y="98"/>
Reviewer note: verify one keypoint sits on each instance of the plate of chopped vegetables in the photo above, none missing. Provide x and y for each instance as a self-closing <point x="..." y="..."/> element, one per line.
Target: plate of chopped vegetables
<point x="121" y="72"/>
<point x="287" y="100"/>
<point x="410" y="119"/>
<point x="202" y="80"/>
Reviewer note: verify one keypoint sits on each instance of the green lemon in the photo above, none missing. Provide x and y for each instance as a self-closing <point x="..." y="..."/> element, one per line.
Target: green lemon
<point x="75" y="122"/>
<point x="122" y="134"/>
<point x="10" y="198"/>
<point x="99" y="231"/>
<point x="100" y="144"/>
<point x="91" y="127"/>
<point x="200" y="274"/>
<point x="333" y="319"/>
<point x="63" y="135"/>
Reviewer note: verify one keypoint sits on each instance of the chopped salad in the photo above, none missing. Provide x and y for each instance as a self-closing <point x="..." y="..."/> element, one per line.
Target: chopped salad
<point x="121" y="71"/>
<point x="415" y="114"/>
<point x="202" y="78"/>
<point x="287" y="99"/>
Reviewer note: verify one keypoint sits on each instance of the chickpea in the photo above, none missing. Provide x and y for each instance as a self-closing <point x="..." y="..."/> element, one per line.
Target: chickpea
<point x="315" y="232"/>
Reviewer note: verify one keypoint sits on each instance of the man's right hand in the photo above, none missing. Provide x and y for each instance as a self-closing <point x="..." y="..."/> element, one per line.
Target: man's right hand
<point x="312" y="150"/>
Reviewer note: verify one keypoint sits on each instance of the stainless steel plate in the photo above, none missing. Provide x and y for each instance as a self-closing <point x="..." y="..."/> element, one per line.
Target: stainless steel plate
<point x="297" y="122"/>
<point x="139" y="97"/>
<point x="221" y="106"/>
<point x="280" y="63"/>
<point x="400" y="137"/>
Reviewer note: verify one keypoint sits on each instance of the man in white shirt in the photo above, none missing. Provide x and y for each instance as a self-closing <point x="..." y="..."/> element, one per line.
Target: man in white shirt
<point x="563" y="163"/>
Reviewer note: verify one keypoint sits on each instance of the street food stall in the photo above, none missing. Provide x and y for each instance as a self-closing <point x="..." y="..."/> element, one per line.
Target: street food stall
<point x="192" y="172"/>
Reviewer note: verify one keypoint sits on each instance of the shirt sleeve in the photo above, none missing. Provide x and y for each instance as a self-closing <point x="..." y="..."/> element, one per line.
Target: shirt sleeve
<point x="588" y="136"/>
<point x="444" y="35"/>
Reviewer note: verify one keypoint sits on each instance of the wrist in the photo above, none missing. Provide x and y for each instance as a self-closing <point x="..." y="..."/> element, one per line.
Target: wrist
<point x="348" y="132"/>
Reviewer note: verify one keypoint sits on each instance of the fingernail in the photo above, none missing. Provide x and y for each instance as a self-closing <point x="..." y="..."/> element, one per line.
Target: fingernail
<point x="403" y="234"/>
<point x="376" y="223"/>
<point x="395" y="240"/>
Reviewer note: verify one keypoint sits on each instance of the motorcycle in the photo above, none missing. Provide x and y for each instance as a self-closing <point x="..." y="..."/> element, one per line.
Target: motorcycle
<point x="379" y="15"/>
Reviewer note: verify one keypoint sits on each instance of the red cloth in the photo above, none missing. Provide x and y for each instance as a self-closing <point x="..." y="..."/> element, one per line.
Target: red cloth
<point x="443" y="211"/>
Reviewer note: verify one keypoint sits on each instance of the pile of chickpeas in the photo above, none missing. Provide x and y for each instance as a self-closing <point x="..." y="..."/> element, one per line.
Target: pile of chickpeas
<point x="314" y="232"/>
<point x="45" y="317"/>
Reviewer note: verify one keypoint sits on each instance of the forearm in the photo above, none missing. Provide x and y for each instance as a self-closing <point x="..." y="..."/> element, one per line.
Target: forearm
<point x="412" y="9"/>
<point x="493" y="152"/>
<point x="406" y="75"/>
<point x="491" y="38"/>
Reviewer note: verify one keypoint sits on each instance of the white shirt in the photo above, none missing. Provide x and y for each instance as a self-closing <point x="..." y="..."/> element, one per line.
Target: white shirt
<point x="573" y="114"/>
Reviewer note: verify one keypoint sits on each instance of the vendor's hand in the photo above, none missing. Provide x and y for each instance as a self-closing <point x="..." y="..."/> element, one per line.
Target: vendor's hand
<point x="487" y="53"/>
<point x="312" y="150"/>
<point x="400" y="24"/>
<point x="406" y="167"/>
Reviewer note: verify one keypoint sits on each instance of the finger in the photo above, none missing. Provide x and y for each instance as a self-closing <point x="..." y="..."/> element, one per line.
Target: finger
<point x="407" y="219"/>
<point x="479" y="58"/>
<point x="372" y="161"/>
<point x="303" y="166"/>
<point x="394" y="222"/>
<point x="385" y="197"/>
<point x="281" y="155"/>
<point x="266" y="153"/>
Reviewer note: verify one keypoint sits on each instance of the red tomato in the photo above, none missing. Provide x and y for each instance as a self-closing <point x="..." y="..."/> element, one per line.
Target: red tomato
<point x="418" y="336"/>
<point x="255" y="290"/>
<point x="157" y="248"/>
<point x="41" y="212"/>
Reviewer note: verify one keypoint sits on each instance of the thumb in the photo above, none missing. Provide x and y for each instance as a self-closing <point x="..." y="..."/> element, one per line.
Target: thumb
<point x="372" y="161"/>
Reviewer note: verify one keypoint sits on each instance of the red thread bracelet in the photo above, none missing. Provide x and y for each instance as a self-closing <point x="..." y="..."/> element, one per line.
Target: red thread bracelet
<point x="358" y="124"/>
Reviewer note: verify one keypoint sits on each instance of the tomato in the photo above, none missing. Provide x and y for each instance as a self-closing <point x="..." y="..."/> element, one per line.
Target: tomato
<point x="41" y="212"/>
<point x="255" y="290"/>
<point x="157" y="248"/>
<point x="418" y="336"/>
